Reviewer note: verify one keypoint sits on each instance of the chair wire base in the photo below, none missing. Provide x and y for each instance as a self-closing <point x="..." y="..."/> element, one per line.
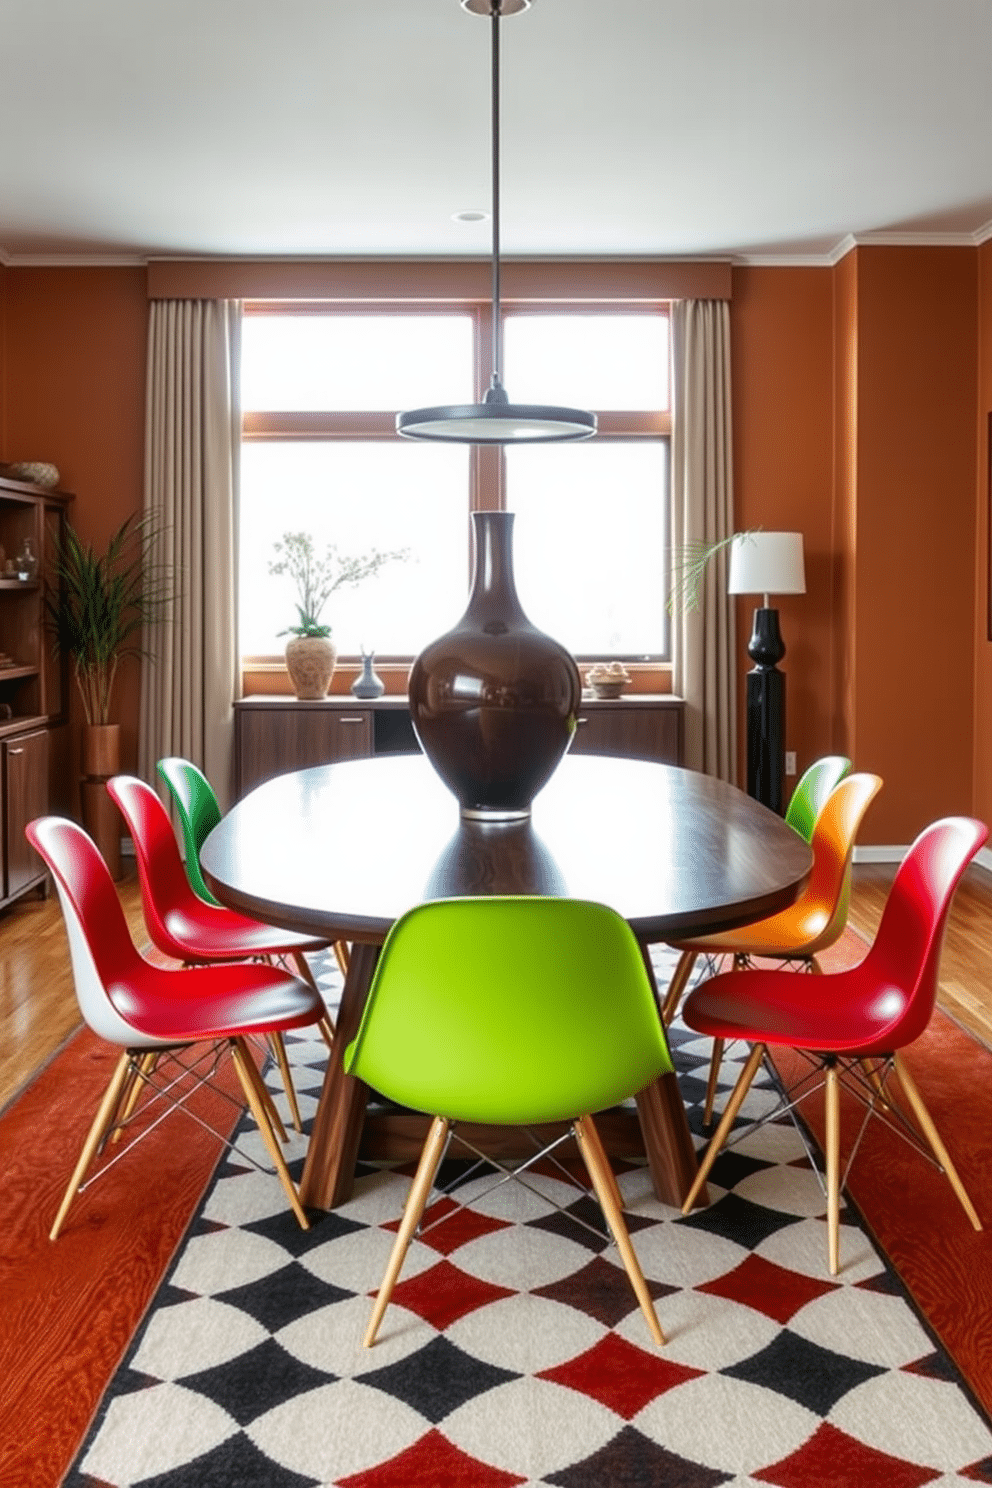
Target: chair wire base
<point x="484" y="1160"/>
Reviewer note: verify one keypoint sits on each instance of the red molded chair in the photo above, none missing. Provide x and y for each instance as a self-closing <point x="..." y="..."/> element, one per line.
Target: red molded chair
<point x="183" y="925"/>
<point x="841" y="1020"/>
<point x="153" y="1012"/>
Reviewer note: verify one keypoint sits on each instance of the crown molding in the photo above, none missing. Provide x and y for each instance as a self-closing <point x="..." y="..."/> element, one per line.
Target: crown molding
<point x="826" y="258"/>
<point x="72" y="260"/>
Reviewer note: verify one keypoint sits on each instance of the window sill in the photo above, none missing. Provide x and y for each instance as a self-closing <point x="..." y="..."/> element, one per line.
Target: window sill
<point x="270" y="678"/>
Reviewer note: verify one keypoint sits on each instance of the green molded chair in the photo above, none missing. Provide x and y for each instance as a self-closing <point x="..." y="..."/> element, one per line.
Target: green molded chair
<point x="199" y="813"/>
<point x="510" y="1011"/>
<point x="812" y="790"/>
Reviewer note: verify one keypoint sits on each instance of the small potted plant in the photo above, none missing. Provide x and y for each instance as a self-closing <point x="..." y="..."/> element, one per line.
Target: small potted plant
<point x="311" y="655"/>
<point x="95" y="608"/>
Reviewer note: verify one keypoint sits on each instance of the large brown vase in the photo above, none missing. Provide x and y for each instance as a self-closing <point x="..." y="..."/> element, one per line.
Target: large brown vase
<point x="494" y="701"/>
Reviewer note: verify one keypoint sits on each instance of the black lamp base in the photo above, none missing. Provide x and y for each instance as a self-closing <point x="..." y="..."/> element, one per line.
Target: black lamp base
<point x="766" y="712"/>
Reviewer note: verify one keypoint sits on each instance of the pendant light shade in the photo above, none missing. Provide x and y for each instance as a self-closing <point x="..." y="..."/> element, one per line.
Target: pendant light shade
<point x="496" y="420"/>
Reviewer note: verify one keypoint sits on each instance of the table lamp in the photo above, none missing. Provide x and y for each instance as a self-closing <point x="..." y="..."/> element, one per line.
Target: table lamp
<point x="766" y="563"/>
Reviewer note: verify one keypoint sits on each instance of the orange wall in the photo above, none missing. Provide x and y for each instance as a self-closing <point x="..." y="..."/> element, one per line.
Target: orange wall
<point x="982" y="771"/>
<point x="855" y="391"/>
<point x="782" y="371"/>
<point x="914" y="574"/>
<point x="74" y="349"/>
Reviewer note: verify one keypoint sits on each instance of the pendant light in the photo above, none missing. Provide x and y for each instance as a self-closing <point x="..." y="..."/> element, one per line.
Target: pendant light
<point x="496" y="420"/>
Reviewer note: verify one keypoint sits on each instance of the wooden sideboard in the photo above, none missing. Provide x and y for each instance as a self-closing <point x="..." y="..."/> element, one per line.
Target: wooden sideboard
<point x="277" y="734"/>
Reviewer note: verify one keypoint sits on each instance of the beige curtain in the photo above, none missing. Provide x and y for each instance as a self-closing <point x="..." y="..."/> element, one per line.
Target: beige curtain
<point x="703" y="639"/>
<point x="192" y="448"/>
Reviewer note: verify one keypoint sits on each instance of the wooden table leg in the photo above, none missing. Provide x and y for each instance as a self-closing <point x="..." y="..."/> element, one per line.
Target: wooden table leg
<point x="668" y="1142"/>
<point x="329" y="1170"/>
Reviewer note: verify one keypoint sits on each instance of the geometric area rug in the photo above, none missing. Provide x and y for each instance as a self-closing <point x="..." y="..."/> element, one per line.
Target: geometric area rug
<point x="514" y="1352"/>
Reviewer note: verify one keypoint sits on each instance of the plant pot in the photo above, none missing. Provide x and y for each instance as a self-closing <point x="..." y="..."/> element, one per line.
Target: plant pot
<point x="101" y="758"/>
<point x="310" y="662"/>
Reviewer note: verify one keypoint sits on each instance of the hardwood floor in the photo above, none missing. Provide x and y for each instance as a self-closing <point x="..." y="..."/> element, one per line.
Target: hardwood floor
<point x="38" y="1010"/>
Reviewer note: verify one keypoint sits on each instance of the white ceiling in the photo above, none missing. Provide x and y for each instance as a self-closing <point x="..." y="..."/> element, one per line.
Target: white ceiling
<point x="761" y="128"/>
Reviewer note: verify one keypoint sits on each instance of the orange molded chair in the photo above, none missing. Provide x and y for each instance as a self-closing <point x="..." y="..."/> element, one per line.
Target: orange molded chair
<point x="183" y="925"/>
<point x="808" y="926"/>
<point x="852" y="1023"/>
<point x="154" y="1013"/>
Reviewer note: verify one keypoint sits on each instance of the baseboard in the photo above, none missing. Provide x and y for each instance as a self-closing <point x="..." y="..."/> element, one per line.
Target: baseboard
<point x="983" y="858"/>
<point x="879" y="854"/>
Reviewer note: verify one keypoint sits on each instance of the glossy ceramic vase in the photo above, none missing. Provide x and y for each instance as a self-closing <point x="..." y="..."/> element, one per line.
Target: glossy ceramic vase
<point x="310" y="662"/>
<point x="494" y="701"/>
<point x="367" y="684"/>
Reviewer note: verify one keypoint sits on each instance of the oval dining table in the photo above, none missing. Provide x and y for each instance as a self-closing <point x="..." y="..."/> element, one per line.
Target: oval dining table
<point x="342" y="850"/>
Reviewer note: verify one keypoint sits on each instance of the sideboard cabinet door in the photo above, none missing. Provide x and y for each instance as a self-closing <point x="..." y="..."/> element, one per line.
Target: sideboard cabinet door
<point x="272" y="740"/>
<point x="25" y="770"/>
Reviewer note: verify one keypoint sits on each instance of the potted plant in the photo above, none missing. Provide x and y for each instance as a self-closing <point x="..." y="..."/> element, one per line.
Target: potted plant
<point x="311" y="655"/>
<point x="95" y="608"/>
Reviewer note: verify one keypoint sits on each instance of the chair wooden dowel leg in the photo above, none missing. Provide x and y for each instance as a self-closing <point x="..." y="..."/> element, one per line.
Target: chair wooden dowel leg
<point x="737" y="1095"/>
<point x="301" y="967"/>
<point x="832" y="1105"/>
<point x="265" y="1096"/>
<point x="342" y="954"/>
<point x="326" y="1026"/>
<point x="677" y="986"/>
<point x="591" y="1134"/>
<point x="423" y="1182"/>
<point x="101" y="1121"/>
<point x="605" y="1184"/>
<point x="248" y="1075"/>
<point x="932" y="1135"/>
<point x="279" y="1049"/>
<point x="131" y="1092"/>
<point x="716" y="1059"/>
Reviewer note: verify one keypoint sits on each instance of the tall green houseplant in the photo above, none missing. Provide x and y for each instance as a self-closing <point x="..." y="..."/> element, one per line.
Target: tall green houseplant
<point x="97" y="604"/>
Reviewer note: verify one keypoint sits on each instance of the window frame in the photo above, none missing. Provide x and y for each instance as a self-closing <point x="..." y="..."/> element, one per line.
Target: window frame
<point x="487" y="482"/>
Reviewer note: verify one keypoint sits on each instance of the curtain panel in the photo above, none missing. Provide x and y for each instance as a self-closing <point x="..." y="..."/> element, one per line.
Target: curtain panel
<point x="704" y="638"/>
<point x="192" y="452"/>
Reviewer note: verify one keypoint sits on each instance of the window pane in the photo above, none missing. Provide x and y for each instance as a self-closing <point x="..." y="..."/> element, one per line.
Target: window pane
<point x="357" y="496"/>
<point x="591" y="545"/>
<point x="371" y="362"/>
<point x="588" y="361"/>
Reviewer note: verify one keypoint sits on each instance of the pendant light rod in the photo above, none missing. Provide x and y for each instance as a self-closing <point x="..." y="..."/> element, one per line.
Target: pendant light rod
<point x="497" y="329"/>
<point x="496" y="420"/>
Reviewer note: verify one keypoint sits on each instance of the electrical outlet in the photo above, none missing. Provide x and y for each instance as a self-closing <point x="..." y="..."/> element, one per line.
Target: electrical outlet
<point x="790" y="762"/>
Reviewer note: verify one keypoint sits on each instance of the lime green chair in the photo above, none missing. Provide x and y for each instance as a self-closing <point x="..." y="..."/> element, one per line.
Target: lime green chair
<point x="812" y="790"/>
<point x="510" y="1011"/>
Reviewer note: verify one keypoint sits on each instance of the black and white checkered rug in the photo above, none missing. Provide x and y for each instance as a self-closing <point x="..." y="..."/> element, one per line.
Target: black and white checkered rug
<point x="514" y="1351"/>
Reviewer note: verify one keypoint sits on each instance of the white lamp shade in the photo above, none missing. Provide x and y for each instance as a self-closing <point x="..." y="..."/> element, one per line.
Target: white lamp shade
<point x="767" y="563"/>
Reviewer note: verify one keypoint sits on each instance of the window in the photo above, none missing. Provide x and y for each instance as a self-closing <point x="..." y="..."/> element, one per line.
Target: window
<point x="320" y="391"/>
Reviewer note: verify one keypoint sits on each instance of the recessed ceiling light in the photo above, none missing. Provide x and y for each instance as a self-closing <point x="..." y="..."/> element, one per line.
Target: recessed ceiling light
<point x="472" y="215"/>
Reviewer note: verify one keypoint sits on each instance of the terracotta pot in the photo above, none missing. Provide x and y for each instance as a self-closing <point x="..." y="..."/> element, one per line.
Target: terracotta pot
<point x="494" y="701"/>
<point x="101" y="758"/>
<point x="310" y="662"/>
